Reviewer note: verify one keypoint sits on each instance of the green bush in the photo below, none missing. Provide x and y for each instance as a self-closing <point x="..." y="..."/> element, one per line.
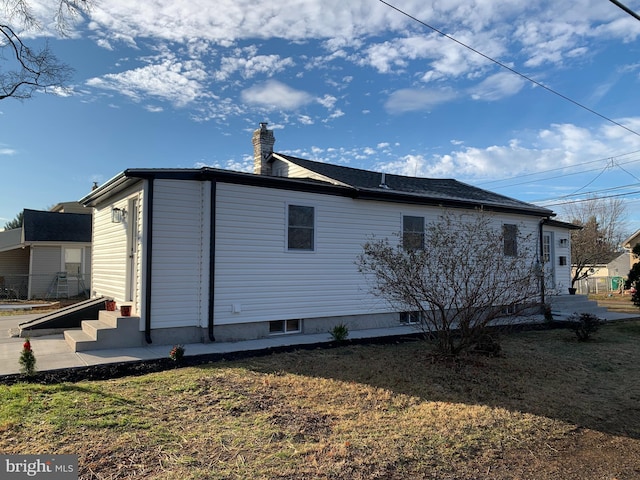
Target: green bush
<point x="27" y="360"/>
<point x="339" y="333"/>
<point x="584" y="325"/>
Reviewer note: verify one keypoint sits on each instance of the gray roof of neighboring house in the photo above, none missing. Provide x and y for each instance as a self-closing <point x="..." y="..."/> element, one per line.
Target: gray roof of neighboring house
<point x="41" y="226"/>
<point x="444" y="190"/>
<point x="631" y="240"/>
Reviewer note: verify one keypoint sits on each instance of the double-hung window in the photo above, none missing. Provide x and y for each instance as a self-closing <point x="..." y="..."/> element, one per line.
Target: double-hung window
<point x="546" y="248"/>
<point x="510" y="235"/>
<point x="73" y="261"/>
<point x="412" y="233"/>
<point x="301" y="228"/>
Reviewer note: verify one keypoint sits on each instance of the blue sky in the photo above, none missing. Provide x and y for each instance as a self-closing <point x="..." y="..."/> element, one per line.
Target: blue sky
<point x="183" y="84"/>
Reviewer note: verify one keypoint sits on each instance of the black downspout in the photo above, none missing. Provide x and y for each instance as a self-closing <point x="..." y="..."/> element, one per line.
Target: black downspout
<point x="149" y="259"/>
<point x="212" y="259"/>
<point x="542" y="222"/>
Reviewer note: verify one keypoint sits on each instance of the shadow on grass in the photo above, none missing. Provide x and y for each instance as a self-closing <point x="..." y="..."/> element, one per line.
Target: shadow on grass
<point x="594" y="384"/>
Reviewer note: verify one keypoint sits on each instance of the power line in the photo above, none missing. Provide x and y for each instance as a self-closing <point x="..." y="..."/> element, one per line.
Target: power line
<point x="626" y="9"/>
<point x="555" y="177"/>
<point x="606" y="167"/>
<point x="626" y="171"/>
<point x="591" y="193"/>
<point x="541" y="172"/>
<point x="570" y="202"/>
<point x="497" y="62"/>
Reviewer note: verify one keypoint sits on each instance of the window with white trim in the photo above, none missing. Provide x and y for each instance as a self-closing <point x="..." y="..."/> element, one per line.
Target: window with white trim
<point x="410" y="318"/>
<point x="510" y="235"/>
<point x="73" y="261"/>
<point x="281" y="327"/>
<point x="301" y="228"/>
<point x="546" y="248"/>
<point x="412" y="232"/>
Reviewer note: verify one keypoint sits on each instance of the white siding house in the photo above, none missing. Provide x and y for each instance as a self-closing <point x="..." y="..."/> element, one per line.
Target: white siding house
<point x="214" y="255"/>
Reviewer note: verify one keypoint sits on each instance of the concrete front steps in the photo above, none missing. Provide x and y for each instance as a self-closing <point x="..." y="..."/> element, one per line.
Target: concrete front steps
<point x="111" y="330"/>
<point x="562" y="306"/>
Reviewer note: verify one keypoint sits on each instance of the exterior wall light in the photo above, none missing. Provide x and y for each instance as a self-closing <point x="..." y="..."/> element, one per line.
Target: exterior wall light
<point x="118" y="215"/>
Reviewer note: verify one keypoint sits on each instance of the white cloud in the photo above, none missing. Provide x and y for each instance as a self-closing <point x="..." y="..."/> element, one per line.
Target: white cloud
<point x="335" y="114"/>
<point x="180" y="82"/>
<point x="228" y="21"/>
<point x="276" y="95"/>
<point x="411" y="100"/>
<point x="498" y="86"/>
<point x="328" y="101"/>
<point x="7" y="151"/>
<point x="560" y="145"/>
<point x="251" y="66"/>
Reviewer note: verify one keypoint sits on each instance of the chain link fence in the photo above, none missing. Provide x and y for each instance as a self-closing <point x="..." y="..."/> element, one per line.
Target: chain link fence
<point x="43" y="287"/>
<point x="597" y="285"/>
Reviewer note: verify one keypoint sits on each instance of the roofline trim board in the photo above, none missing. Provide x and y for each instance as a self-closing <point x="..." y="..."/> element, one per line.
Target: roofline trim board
<point x="131" y="176"/>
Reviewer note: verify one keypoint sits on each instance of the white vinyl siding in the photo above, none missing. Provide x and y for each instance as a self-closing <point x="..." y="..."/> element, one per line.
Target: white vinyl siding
<point x="180" y="253"/>
<point x="264" y="282"/>
<point x="257" y="278"/>
<point x="560" y="247"/>
<point x="109" y="251"/>
<point x="254" y="271"/>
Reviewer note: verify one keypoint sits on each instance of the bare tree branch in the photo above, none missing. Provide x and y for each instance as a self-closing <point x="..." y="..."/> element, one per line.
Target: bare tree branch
<point x="460" y="282"/>
<point x="25" y="70"/>
<point x="598" y="242"/>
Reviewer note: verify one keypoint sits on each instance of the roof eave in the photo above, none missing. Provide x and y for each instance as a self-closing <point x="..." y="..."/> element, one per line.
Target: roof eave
<point x="108" y="189"/>
<point x="401" y="197"/>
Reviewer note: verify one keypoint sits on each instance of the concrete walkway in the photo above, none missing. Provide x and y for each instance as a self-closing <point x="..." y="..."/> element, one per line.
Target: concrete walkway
<point x="52" y="352"/>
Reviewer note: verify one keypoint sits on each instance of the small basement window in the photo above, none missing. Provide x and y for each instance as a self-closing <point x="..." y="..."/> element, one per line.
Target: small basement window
<point x="410" y="318"/>
<point x="510" y="309"/>
<point x="279" y="327"/>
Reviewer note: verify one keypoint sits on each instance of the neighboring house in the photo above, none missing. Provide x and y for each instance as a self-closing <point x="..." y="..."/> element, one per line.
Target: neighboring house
<point x="208" y="254"/>
<point x="70" y="207"/>
<point x="35" y="258"/>
<point x="631" y="241"/>
<point x="610" y="277"/>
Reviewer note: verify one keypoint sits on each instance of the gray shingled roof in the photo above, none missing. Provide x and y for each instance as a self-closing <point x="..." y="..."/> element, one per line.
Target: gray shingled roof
<point x="42" y="226"/>
<point x="427" y="188"/>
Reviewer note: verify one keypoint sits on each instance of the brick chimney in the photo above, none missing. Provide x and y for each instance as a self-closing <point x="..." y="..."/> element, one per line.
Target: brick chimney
<point x="263" y="141"/>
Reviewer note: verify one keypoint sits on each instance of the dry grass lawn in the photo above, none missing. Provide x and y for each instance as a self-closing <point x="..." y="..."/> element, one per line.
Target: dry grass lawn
<point x="549" y="408"/>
